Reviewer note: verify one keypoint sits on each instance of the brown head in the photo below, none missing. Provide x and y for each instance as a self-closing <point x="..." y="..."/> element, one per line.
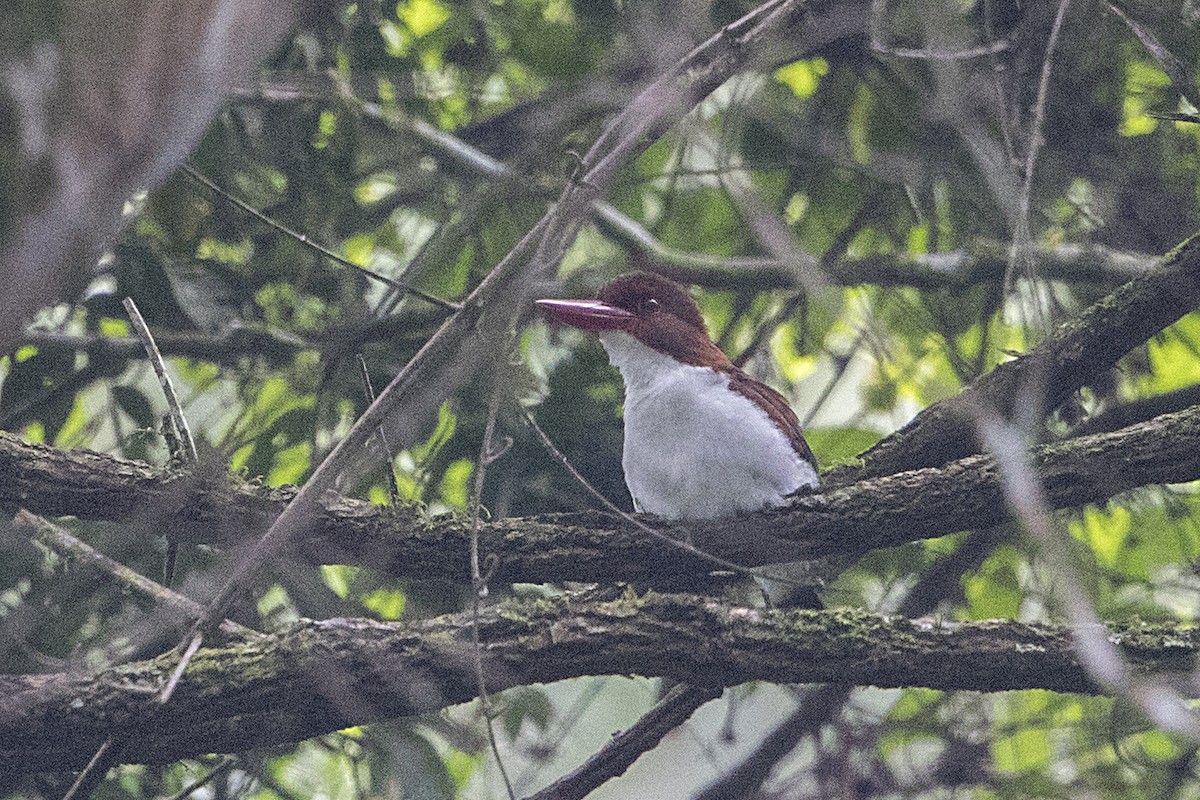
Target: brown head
<point x="652" y="309"/>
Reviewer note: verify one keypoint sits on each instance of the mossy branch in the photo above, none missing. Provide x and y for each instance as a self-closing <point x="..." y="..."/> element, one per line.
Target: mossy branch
<point x="847" y="521"/>
<point x="317" y="677"/>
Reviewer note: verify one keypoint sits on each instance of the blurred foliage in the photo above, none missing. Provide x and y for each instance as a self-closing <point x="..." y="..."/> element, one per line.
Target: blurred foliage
<point x="863" y="152"/>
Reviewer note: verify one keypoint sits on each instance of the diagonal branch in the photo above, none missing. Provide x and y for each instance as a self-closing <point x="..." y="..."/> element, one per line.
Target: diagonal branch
<point x="1078" y="352"/>
<point x="470" y="335"/>
<point x="619" y="753"/>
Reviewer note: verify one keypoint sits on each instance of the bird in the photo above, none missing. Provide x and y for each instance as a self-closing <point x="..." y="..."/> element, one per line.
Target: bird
<point x="703" y="439"/>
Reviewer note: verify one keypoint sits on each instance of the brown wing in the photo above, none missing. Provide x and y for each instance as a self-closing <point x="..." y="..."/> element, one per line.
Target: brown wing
<point x="776" y="406"/>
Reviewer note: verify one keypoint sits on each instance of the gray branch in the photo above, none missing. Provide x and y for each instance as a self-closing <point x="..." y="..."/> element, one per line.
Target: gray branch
<point x="317" y="677"/>
<point x="591" y="546"/>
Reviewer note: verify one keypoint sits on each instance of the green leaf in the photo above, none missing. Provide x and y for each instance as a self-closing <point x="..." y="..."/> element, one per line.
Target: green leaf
<point x="803" y="77"/>
<point x="135" y="404"/>
<point x="387" y="603"/>
<point x="423" y="17"/>
<point x="526" y="703"/>
<point x="834" y="446"/>
<point x="995" y="592"/>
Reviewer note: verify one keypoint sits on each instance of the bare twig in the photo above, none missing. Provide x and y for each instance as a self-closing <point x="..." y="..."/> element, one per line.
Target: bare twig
<point x="393" y="482"/>
<point x="479" y="584"/>
<point x="553" y="737"/>
<point x="64" y="543"/>
<point x="183" y="433"/>
<point x="840" y="367"/>
<point x="619" y="753"/>
<point x="1176" y="70"/>
<point x="189" y="652"/>
<point x="224" y="764"/>
<point x="102" y="761"/>
<point x="943" y="55"/>
<point x="303" y="239"/>
<point x="875" y="27"/>
<point x="1021" y="235"/>
<point x="231" y="346"/>
<point x="160" y="369"/>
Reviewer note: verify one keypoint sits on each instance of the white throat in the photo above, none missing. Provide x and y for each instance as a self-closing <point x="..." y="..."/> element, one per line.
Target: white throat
<point x="695" y="448"/>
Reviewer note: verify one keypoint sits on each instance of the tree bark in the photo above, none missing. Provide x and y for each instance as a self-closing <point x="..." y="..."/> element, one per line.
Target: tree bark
<point x="592" y="546"/>
<point x="317" y="677"/>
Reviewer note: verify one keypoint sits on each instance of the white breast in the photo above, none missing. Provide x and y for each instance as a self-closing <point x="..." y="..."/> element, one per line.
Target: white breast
<point x="694" y="448"/>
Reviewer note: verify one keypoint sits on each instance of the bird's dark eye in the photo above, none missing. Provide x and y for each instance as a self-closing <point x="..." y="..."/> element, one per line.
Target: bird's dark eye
<point x="651" y="305"/>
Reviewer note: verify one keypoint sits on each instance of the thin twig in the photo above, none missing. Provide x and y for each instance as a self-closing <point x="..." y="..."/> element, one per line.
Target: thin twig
<point x="177" y="674"/>
<point x="183" y="433"/>
<point x="160" y="369"/>
<point x="102" y="761"/>
<point x="1176" y="70"/>
<point x="224" y="764"/>
<point x="619" y="753"/>
<point x="685" y="546"/>
<point x="65" y="544"/>
<point x="369" y="389"/>
<point x="207" y="182"/>
<point x="479" y="585"/>
<point x="1021" y="236"/>
<point x="943" y="55"/>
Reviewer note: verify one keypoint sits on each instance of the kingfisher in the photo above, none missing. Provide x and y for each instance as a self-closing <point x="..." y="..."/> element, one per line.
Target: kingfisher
<point x="703" y="439"/>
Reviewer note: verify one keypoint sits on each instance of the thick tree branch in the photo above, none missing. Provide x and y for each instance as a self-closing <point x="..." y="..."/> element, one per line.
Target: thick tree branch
<point x="320" y="676"/>
<point x="591" y="546"/>
<point x="1134" y="411"/>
